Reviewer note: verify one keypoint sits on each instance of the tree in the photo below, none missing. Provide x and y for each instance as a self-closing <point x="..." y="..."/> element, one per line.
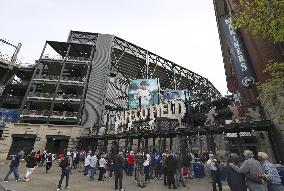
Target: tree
<point x="275" y="85"/>
<point x="262" y="18"/>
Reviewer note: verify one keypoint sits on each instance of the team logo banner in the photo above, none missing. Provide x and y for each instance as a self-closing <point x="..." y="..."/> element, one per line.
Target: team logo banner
<point x="238" y="52"/>
<point x="143" y="93"/>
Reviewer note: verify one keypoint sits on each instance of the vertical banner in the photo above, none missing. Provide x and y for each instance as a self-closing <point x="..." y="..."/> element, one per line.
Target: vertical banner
<point x="240" y="59"/>
<point x="143" y="93"/>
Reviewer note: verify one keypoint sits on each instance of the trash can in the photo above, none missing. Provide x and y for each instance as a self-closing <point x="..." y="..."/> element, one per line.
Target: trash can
<point x="223" y="172"/>
<point x="280" y="169"/>
<point x="198" y="170"/>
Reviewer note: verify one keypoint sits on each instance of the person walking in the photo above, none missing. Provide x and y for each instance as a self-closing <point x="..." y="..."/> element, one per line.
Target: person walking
<point x="179" y="171"/>
<point x="139" y="158"/>
<point x="64" y="165"/>
<point x="250" y="168"/>
<point x="87" y="164"/>
<point x="31" y="165"/>
<point x="171" y="163"/>
<point x="102" y="167"/>
<point x="164" y="165"/>
<point x="93" y="165"/>
<point x="214" y="167"/>
<point x="14" y="167"/>
<point x="48" y="163"/>
<point x="118" y="167"/>
<point x="270" y="175"/>
<point x="236" y="181"/>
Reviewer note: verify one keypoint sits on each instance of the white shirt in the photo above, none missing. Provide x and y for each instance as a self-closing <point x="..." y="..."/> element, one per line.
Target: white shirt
<point x="102" y="162"/>
<point x="211" y="165"/>
<point x="94" y="161"/>
<point x="147" y="161"/>
<point x="87" y="160"/>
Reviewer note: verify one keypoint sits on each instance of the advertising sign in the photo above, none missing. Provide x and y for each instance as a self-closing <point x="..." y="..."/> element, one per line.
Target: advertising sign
<point x="175" y="95"/>
<point x="143" y="93"/>
<point x="240" y="59"/>
<point x="8" y="115"/>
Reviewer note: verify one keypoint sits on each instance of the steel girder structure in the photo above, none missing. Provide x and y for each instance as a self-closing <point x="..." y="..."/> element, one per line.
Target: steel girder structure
<point x="114" y="63"/>
<point x="129" y="61"/>
<point x="135" y="62"/>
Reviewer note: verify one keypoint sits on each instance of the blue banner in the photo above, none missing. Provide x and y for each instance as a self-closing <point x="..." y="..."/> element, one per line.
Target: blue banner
<point x="8" y="115"/>
<point x="240" y="59"/>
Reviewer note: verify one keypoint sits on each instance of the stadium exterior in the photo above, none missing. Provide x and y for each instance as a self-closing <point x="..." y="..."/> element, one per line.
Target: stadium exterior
<point x="77" y="88"/>
<point x="78" y="85"/>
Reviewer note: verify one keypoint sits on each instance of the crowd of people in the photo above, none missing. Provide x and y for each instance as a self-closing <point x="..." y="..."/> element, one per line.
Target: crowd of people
<point x="172" y="168"/>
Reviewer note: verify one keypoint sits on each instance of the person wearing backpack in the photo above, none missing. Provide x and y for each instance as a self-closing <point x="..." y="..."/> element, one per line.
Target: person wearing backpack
<point x="48" y="162"/>
<point x="64" y="165"/>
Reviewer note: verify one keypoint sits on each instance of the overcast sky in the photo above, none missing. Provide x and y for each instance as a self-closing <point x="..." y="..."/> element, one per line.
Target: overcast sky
<point x="183" y="31"/>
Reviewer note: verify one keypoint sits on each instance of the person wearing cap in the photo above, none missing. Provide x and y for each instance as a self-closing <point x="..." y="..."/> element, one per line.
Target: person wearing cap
<point x="270" y="175"/>
<point x="214" y="167"/>
<point x="143" y="93"/>
<point x="14" y="166"/>
<point x="250" y="168"/>
<point x="64" y="165"/>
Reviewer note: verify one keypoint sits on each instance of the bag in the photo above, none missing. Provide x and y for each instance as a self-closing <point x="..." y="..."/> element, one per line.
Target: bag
<point x="185" y="171"/>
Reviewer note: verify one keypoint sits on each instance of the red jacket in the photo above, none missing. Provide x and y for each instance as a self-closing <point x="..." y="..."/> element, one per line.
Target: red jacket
<point x="130" y="159"/>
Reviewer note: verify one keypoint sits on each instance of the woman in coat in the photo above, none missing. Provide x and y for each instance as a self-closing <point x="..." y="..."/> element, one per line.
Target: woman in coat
<point x="236" y="181"/>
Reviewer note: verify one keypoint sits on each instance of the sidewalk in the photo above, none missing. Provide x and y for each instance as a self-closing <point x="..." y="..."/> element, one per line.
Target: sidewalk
<point x="40" y="181"/>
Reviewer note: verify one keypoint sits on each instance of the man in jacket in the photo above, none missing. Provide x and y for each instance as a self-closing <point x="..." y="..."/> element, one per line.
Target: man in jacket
<point x="31" y="164"/>
<point x="64" y="165"/>
<point x="250" y="168"/>
<point x="164" y="157"/>
<point x="14" y="166"/>
<point x="171" y="163"/>
<point x="118" y="167"/>
<point x="139" y="158"/>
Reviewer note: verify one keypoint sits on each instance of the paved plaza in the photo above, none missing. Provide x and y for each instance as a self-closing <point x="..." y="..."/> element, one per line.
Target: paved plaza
<point x="40" y="181"/>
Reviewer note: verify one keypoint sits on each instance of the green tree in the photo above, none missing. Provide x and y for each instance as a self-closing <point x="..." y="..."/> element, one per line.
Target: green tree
<point x="262" y="18"/>
<point x="275" y="85"/>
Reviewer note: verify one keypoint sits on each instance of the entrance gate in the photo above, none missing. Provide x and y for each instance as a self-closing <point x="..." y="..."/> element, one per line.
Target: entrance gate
<point x="21" y="142"/>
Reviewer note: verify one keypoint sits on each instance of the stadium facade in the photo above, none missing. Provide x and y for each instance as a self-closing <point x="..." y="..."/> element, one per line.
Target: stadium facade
<point x="77" y="87"/>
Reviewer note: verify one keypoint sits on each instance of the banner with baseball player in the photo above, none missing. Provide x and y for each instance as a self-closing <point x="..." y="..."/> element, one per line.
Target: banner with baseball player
<point x="143" y="93"/>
